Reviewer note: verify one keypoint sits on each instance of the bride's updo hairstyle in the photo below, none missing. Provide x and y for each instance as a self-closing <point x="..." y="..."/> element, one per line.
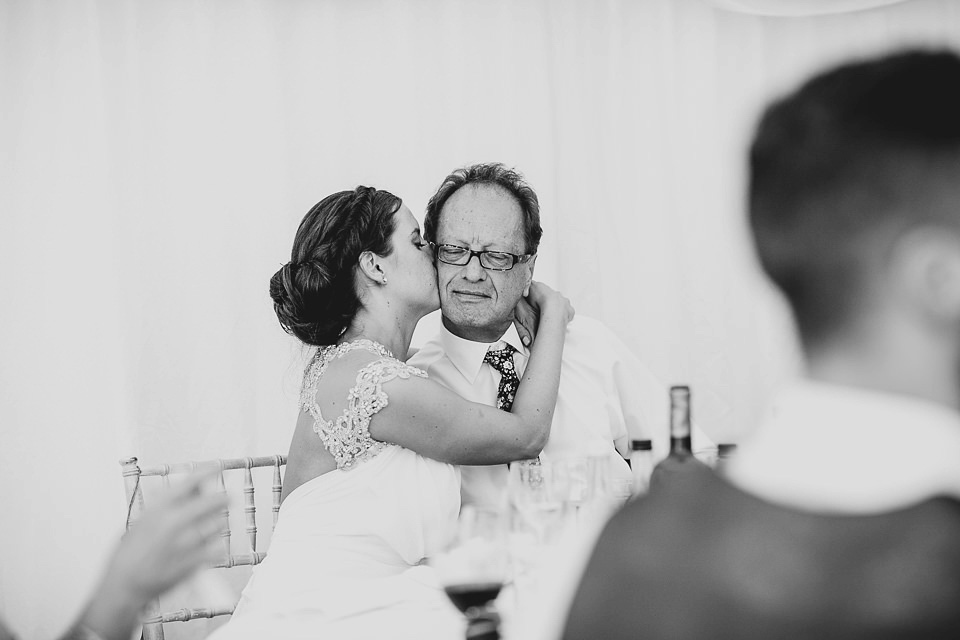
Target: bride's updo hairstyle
<point x="314" y="294"/>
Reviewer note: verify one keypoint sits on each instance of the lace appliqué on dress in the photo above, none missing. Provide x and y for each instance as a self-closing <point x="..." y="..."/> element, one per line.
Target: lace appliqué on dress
<point x="348" y="437"/>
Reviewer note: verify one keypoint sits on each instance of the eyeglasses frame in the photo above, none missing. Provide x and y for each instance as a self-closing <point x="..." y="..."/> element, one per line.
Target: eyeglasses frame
<point x="517" y="259"/>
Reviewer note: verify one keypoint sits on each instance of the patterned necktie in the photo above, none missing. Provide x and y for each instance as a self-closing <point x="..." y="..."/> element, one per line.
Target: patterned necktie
<point x="502" y="361"/>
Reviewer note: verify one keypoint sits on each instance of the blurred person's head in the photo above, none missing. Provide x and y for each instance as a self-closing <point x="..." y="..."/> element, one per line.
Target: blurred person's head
<point x="345" y="249"/>
<point x="489" y="208"/>
<point x="854" y="200"/>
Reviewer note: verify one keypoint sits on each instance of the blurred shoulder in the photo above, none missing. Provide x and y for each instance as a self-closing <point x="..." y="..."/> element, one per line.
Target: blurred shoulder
<point x="586" y="332"/>
<point x="582" y="324"/>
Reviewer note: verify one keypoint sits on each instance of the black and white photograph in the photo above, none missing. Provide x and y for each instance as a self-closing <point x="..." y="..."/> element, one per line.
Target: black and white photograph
<point x="479" y="319"/>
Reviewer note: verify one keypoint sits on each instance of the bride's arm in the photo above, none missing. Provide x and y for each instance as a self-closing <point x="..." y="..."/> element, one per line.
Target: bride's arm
<point x="432" y="420"/>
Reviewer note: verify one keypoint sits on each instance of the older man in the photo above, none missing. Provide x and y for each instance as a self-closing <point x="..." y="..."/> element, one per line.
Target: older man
<point x="842" y="517"/>
<point x="484" y="222"/>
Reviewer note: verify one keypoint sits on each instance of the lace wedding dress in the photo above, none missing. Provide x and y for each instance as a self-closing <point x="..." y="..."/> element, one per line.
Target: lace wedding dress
<point x="345" y="560"/>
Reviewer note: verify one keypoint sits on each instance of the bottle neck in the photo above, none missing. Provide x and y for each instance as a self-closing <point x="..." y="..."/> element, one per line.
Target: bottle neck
<point x="681" y="445"/>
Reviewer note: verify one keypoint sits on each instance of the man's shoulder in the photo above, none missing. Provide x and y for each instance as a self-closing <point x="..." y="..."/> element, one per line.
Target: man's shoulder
<point x="587" y="324"/>
<point x="702" y="505"/>
<point x="586" y="335"/>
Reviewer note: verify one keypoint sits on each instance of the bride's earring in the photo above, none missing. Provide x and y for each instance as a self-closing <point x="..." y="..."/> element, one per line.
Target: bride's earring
<point x="384" y="281"/>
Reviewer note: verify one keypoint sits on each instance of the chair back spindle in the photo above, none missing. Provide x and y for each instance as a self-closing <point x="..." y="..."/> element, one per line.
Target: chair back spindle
<point x="249" y="506"/>
<point x="277" y="487"/>
<point x="133" y="474"/>
<point x="225" y="514"/>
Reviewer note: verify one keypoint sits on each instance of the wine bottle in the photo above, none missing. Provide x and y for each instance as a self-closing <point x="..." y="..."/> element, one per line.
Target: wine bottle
<point x="681" y="458"/>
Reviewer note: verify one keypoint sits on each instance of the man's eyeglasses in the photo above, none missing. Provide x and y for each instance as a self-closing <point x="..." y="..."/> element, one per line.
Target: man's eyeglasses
<point x="492" y="260"/>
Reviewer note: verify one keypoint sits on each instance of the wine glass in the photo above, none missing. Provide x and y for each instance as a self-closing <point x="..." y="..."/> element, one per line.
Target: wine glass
<point x="541" y="514"/>
<point x="590" y="486"/>
<point x="473" y="565"/>
<point x="540" y="494"/>
<point x="575" y="479"/>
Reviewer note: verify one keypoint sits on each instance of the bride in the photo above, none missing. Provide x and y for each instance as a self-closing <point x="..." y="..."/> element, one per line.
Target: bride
<point x="370" y="487"/>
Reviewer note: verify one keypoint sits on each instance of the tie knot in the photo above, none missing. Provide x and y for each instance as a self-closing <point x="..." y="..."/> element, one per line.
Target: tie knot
<point x="500" y="359"/>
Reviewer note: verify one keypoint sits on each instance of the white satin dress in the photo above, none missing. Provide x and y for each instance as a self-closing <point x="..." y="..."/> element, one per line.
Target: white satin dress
<point x="346" y="558"/>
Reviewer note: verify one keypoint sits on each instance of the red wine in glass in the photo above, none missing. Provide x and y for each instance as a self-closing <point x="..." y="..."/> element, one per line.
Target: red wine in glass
<point x="472" y="567"/>
<point x="477" y="594"/>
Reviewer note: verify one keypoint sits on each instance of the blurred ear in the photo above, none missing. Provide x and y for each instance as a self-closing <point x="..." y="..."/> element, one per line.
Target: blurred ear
<point x="926" y="267"/>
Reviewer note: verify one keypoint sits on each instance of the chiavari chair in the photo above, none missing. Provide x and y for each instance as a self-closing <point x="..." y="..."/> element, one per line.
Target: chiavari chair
<point x="133" y="474"/>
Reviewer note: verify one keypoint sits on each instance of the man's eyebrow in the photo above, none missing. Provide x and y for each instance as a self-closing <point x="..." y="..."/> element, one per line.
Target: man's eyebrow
<point x="484" y="246"/>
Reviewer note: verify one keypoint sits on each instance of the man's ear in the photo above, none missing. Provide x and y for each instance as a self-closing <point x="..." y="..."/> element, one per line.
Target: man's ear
<point x="531" y="263"/>
<point x="369" y="264"/>
<point x="926" y="266"/>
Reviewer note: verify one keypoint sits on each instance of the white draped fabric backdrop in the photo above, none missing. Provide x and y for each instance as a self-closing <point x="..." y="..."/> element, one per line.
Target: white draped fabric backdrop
<point x="156" y="158"/>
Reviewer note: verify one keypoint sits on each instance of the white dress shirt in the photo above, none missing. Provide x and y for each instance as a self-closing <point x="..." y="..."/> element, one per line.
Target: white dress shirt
<point x="606" y="398"/>
<point x="836" y="449"/>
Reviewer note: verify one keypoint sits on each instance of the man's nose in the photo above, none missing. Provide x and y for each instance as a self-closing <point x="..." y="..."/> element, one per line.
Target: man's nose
<point x="473" y="271"/>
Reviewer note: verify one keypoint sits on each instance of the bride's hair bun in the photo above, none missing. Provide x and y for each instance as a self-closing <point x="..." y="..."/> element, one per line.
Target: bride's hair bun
<point x="293" y="288"/>
<point x="314" y="295"/>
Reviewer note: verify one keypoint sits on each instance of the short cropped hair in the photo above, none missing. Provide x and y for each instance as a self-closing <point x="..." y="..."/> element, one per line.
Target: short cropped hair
<point x="494" y="174"/>
<point x="842" y="167"/>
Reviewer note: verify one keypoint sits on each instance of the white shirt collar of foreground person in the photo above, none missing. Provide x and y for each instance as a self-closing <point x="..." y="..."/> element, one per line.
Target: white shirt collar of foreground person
<point x="829" y="448"/>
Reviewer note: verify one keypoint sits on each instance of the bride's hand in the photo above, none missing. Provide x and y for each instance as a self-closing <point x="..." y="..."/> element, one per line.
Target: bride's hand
<point x="544" y="299"/>
<point x="526" y="319"/>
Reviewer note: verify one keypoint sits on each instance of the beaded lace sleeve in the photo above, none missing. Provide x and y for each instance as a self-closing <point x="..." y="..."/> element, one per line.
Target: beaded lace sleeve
<point x="348" y="437"/>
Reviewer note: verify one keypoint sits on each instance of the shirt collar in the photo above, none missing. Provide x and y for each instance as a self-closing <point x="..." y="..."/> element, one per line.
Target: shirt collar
<point x="836" y="448"/>
<point x="467" y="355"/>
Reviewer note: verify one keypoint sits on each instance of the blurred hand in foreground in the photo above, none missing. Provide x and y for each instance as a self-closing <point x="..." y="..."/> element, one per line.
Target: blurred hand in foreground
<point x="176" y="536"/>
